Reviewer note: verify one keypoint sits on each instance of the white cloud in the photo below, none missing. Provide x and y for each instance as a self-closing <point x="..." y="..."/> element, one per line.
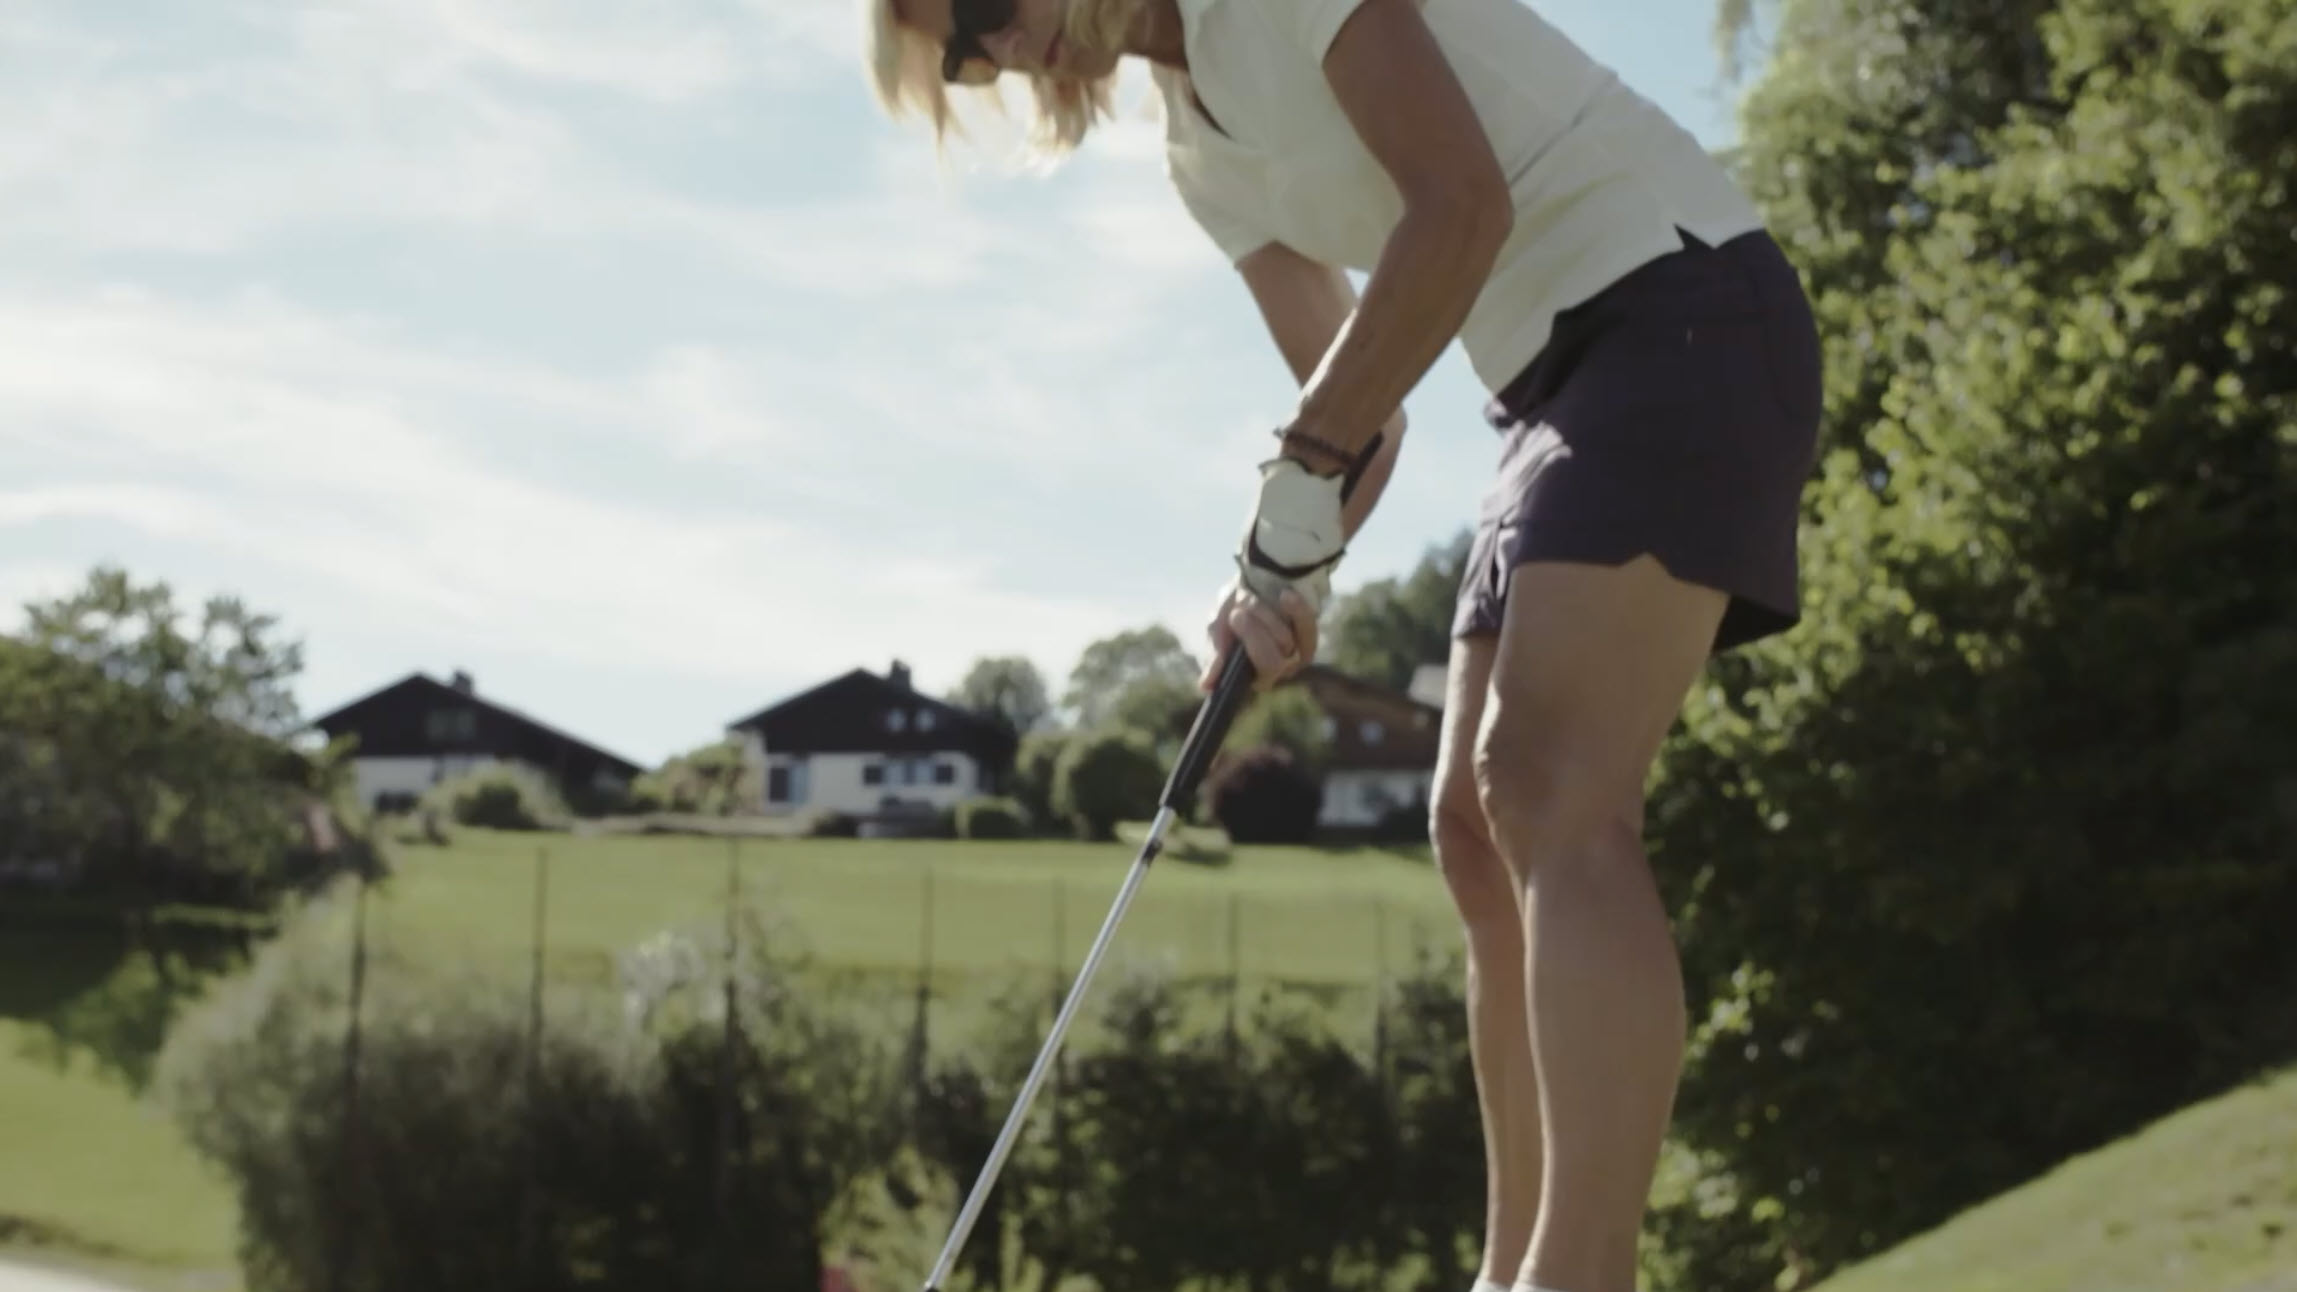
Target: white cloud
<point x="664" y="53"/>
<point x="308" y="459"/>
<point x="441" y="360"/>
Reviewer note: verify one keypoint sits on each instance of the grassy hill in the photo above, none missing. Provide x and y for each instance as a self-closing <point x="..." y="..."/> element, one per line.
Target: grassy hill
<point x="2203" y="1201"/>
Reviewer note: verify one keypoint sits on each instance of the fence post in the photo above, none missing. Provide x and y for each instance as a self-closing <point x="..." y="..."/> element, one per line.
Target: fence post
<point x="1061" y="1157"/>
<point x="528" y="1224"/>
<point x="920" y="1037"/>
<point x="346" y="1216"/>
<point x="726" y="1070"/>
<point x="1235" y="971"/>
<point x="1380" y="996"/>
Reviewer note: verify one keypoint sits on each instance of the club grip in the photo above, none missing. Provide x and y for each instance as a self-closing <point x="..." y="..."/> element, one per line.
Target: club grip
<point x="1205" y="735"/>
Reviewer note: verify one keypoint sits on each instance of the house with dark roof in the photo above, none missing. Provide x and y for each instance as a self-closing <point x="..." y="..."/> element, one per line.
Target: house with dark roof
<point x="1383" y="745"/>
<point x="873" y="746"/>
<point x="419" y="731"/>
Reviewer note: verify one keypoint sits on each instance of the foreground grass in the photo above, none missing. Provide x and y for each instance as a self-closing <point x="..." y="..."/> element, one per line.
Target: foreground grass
<point x="90" y="1173"/>
<point x="2202" y="1201"/>
<point x="94" y="1178"/>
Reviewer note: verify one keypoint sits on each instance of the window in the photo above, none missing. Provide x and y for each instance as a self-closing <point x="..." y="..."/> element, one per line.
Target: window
<point x="925" y="719"/>
<point x="1370" y="732"/>
<point x="894" y="719"/>
<point x="778" y="785"/>
<point x="945" y="773"/>
<point x="451" y="726"/>
<point x="873" y="774"/>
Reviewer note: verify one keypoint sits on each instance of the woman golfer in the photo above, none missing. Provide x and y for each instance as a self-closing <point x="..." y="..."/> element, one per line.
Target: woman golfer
<point x="1654" y="379"/>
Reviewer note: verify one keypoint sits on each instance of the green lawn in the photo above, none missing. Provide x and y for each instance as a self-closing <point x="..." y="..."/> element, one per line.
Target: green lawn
<point x="88" y="1169"/>
<point x="2202" y="1201"/>
<point x="1301" y="914"/>
<point x="90" y="1174"/>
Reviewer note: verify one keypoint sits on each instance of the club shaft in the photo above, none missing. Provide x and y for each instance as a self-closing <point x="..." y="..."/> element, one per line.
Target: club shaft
<point x="1014" y="1120"/>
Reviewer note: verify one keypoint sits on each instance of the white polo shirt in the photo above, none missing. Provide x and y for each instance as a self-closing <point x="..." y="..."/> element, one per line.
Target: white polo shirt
<point x="1601" y="176"/>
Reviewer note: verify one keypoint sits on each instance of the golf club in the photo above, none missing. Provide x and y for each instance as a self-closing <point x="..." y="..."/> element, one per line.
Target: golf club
<point x="1204" y="737"/>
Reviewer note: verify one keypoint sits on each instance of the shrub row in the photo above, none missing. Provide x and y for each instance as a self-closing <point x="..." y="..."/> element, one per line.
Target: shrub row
<point x="654" y="1139"/>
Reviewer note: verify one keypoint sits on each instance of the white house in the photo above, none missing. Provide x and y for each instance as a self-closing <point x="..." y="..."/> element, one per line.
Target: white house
<point x="1383" y="746"/>
<point x="872" y="746"/>
<point x="420" y="731"/>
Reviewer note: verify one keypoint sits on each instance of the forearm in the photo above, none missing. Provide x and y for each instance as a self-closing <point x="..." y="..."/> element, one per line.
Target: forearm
<point x="1358" y="507"/>
<point x="1415" y="300"/>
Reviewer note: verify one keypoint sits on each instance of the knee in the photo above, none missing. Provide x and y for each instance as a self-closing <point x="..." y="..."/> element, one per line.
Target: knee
<point x="1545" y="805"/>
<point x="1467" y="857"/>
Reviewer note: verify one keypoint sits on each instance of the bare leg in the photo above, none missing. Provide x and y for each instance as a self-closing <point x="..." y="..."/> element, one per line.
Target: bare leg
<point x="1499" y="1035"/>
<point x="1591" y="669"/>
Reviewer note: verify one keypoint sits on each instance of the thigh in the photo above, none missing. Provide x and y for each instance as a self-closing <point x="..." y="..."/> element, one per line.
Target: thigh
<point x="1590" y="671"/>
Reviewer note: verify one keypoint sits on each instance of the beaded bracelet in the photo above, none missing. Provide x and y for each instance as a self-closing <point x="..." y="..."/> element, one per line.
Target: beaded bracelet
<point x="1347" y="460"/>
<point x="1352" y="464"/>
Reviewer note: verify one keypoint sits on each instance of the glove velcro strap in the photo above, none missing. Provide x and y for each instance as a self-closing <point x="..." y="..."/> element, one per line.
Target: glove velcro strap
<point x="1260" y="559"/>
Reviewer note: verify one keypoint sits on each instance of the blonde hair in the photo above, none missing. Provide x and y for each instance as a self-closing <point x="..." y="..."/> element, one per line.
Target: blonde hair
<point x="904" y="69"/>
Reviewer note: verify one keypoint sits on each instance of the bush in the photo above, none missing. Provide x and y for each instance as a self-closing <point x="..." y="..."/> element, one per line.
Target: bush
<point x="614" y="1174"/>
<point x="1034" y="774"/>
<point x="716" y="779"/>
<point x="990" y="818"/>
<point x="1405" y="823"/>
<point x="1106" y="776"/>
<point x="1171" y="1152"/>
<point x="1264" y="795"/>
<point x="831" y="825"/>
<point x="500" y="796"/>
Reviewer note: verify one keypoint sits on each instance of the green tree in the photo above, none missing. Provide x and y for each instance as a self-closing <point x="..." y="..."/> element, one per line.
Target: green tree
<point x="2015" y="804"/>
<point x="1386" y="629"/>
<point x="1008" y="688"/>
<point x="164" y="738"/>
<point x="1110" y="667"/>
<point x="1160" y="708"/>
<point x="1288" y="718"/>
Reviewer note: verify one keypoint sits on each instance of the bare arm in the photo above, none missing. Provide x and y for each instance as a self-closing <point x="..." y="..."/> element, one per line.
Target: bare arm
<point x="1394" y="84"/>
<point x="1305" y="303"/>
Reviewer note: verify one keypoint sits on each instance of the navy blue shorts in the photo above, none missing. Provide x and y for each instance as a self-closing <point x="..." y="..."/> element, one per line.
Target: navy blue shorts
<point x="1674" y="413"/>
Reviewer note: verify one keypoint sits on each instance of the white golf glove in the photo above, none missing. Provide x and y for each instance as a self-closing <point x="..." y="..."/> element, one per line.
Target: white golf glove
<point x="1294" y="536"/>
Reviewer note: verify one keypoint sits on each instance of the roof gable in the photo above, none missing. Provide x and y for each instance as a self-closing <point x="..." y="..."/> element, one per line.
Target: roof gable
<point x="392" y="720"/>
<point x="861" y="712"/>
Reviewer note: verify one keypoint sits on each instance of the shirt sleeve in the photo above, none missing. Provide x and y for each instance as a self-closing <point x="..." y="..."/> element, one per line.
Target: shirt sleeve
<point x="1235" y="235"/>
<point x="1312" y="24"/>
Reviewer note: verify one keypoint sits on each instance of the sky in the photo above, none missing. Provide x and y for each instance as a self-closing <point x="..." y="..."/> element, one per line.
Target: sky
<point x="621" y="353"/>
